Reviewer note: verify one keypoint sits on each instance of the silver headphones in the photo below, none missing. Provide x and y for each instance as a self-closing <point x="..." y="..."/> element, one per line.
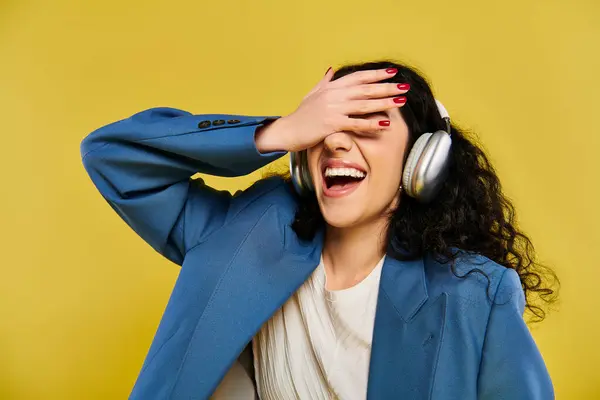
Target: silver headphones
<point x="424" y="172"/>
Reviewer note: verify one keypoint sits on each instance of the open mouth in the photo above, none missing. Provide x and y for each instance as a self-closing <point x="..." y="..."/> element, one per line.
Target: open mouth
<point x="342" y="179"/>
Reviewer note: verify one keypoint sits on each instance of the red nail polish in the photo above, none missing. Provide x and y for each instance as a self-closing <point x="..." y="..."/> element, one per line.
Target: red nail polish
<point x="391" y="70"/>
<point x="384" y="123"/>
<point x="403" y="86"/>
<point x="400" y="100"/>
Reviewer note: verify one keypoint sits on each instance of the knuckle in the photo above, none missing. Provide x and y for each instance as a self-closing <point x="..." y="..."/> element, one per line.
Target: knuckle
<point x="333" y="122"/>
<point x="333" y="111"/>
<point x="357" y="123"/>
<point x="329" y="120"/>
<point x="363" y="107"/>
<point x="369" y="90"/>
<point x="365" y="76"/>
<point x="357" y="126"/>
<point x="361" y="124"/>
<point x="330" y="95"/>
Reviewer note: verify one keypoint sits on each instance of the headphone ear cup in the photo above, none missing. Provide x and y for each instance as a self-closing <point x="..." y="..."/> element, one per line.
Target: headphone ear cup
<point x="295" y="172"/>
<point x="409" y="173"/>
<point x="305" y="173"/>
<point x="299" y="173"/>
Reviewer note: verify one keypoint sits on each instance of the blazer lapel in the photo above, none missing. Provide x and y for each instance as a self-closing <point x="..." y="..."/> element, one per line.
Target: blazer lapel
<point x="253" y="287"/>
<point x="407" y="334"/>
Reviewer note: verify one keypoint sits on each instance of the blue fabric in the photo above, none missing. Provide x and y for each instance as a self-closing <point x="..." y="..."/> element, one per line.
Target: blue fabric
<point x="436" y="336"/>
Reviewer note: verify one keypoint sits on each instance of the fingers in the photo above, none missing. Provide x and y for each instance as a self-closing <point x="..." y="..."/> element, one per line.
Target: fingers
<point x="364" y="126"/>
<point x="328" y="75"/>
<point x="362" y="107"/>
<point x="325" y="80"/>
<point x="376" y="90"/>
<point x="364" y="77"/>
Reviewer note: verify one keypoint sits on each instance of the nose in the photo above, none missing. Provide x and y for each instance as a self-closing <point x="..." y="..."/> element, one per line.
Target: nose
<point x="338" y="141"/>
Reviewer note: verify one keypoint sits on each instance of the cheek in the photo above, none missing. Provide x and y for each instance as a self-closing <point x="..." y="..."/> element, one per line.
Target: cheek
<point x="386" y="165"/>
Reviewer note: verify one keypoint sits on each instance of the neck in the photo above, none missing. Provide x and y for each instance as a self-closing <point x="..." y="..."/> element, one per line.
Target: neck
<point x="350" y="254"/>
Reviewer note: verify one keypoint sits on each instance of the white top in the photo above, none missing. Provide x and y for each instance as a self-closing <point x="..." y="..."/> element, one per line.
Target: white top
<point x="318" y="345"/>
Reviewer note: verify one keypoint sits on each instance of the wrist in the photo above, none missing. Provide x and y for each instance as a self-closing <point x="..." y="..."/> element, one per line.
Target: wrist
<point x="271" y="137"/>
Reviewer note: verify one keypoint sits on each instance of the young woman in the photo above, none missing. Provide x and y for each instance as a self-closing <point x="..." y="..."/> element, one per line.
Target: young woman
<point x="388" y="267"/>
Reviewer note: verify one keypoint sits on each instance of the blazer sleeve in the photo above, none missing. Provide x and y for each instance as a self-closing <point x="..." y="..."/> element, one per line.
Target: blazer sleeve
<point x="512" y="367"/>
<point x="143" y="166"/>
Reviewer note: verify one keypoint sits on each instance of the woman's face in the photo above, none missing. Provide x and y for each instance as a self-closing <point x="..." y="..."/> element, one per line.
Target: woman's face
<point x="357" y="177"/>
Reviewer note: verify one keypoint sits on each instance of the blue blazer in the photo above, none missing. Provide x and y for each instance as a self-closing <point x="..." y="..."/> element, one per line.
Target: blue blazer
<point x="436" y="336"/>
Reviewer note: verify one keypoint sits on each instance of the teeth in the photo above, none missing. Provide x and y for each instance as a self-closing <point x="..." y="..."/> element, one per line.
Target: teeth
<point x="353" y="172"/>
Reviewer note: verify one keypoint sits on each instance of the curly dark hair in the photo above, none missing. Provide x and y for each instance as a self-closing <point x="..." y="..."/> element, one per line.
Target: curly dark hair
<point x="469" y="213"/>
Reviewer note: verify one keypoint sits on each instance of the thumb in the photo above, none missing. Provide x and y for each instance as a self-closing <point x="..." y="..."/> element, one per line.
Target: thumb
<point x="325" y="80"/>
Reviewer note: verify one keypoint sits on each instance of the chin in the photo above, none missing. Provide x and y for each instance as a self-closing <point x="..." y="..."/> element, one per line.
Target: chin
<point x="341" y="217"/>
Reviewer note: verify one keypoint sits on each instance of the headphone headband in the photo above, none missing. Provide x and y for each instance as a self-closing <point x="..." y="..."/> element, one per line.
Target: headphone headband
<point x="443" y="112"/>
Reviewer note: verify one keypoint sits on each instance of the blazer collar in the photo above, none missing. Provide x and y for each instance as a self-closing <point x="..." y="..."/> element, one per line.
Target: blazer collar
<point x="305" y="250"/>
<point x="407" y="333"/>
<point x="405" y="285"/>
<point x="403" y="282"/>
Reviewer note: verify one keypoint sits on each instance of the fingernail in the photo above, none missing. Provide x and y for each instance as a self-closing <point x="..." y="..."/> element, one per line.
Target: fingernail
<point x="400" y="100"/>
<point x="385" y="122"/>
<point x="391" y="70"/>
<point x="326" y="72"/>
<point x="403" y="86"/>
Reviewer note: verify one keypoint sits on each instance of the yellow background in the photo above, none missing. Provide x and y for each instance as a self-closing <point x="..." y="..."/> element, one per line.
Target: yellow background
<point x="81" y="295"/>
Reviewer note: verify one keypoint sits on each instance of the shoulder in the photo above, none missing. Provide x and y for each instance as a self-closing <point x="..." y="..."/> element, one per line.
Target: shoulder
<point x="265" y="193"/>
<point x="474" y="281"/>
